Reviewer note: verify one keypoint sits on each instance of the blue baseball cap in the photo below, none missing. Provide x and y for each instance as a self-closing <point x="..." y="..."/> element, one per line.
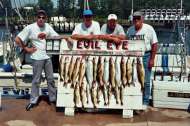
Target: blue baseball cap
<point x="87" y="12"/>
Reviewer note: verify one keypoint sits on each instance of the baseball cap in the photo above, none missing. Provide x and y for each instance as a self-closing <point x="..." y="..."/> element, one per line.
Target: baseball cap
<point x="41" y="12"/>
<point x="138" y="13"/>
<point x="112" y="16"/>
<point x="87" y="12"/>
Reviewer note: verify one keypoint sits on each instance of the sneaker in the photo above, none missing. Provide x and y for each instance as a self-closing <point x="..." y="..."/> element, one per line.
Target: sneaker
<point x="139" y="112"/>
<point x="188" y="110"/>
<point x="144" y="107"/>
<point x="30" y="106"/>
<point x="150" y="108"/>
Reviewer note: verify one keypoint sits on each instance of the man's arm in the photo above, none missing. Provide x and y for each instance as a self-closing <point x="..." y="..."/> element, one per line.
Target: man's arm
<point x="84" y="37"/>
<point x="115" y="38"/>
<point x="20" y="43"/>
<point x="121" y="37"/>
<point x="153" y="54"/>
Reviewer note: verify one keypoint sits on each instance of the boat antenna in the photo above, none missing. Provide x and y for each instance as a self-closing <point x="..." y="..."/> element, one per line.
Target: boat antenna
<point x="10" y="55"/>
<point x="181" y="6"/>
<point x="132" y="7"/>
<point x="1" y="4"/>
<point x="16" y="9"/>
<point x="86" y="5"/>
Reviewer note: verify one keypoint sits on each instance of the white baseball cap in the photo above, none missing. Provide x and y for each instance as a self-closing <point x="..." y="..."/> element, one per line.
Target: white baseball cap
<point x="112" y="16"/>
<point x="138" y="13"/>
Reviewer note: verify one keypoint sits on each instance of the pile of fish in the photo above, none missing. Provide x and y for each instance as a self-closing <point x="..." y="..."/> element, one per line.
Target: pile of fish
<point x="93" y="76"/>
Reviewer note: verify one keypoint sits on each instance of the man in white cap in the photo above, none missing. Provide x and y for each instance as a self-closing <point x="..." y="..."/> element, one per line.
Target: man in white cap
<point x="147" y="34"/>
<point x="112" y="30"/>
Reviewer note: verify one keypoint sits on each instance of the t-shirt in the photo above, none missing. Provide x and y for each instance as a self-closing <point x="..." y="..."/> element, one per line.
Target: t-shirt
<point x="146" y="33"/>
<point x="31" y="32"/>
<point x="117" y="31"/>
<point x="81" y="29"/>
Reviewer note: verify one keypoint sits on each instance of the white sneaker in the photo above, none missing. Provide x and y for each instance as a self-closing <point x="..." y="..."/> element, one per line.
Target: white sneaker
<point x="144" y="107"/>
<point x="152" y="108"/>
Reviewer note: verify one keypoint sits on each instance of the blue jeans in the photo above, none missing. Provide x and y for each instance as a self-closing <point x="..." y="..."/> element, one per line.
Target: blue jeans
<point x="188" y="110"/>
<point x="147" y="91"/>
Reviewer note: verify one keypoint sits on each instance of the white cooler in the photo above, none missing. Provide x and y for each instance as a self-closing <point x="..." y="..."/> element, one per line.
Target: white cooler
<point x="0" y="101"/>
<point x="171" y="94"/>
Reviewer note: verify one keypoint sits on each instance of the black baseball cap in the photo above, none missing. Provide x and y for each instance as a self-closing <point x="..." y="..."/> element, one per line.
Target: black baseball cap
<point x="43" y="12"/>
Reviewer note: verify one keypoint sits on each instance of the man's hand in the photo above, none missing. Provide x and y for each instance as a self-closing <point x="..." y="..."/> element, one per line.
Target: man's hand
<point x="151" y="63"/>
<point x="42" y="36"/>
<point x="30" y="50"/>
<point x="116" y="40"/>
<point x="89" y="37"/>
<point x="153" y="53"/>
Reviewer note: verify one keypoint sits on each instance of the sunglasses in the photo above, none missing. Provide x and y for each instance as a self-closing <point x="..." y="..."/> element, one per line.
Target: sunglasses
<point x="137" y="18"/>
<point x="41" y="17"/>
<point x="87" y="16"/>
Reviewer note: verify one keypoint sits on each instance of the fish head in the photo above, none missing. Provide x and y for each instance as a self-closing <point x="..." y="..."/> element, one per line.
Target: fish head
<point x="111" y="60"/>
<point x="122" y="60"/>
<point x="67" y="59"/>
<point x="78" y="58"/>
<point x="138" y="60"/>
<point x="106" y="59"/>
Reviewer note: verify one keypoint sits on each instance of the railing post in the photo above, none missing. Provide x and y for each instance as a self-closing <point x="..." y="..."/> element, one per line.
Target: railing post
<point x="0" y="98"/>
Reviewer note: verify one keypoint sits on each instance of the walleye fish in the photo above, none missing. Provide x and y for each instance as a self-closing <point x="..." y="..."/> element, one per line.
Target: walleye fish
<point x="89" y="76"/>
<point x="106" y="80"/>
<point x="71" y="67"/>
<point x="117" y="79"/>
<point x="75" y="72"/>
<point x="89" y="71"/>
<point x="94" y="84"/>
<point x="94" y="69"/>
<point x="83" y="94"/>
<point x="117" y="94"/>
<point x="140" y="73"/>
<point x="81" y="71"/>
<point x="82" y="85"/>
<point x="106" y="71"/>
<point x="129" y="71"/>
<point x="112" y="72"/>
<point x="94" y="95"/>
<point x="121" y="94"/>
<point x="66" y="69"/>
<point x="100" y="71"/>
<point x="111" y="79"/>
<point x="99" y="91"/>
<point x="123" y="72"/>
<point x="134" y="73"/>
<point x="87" y="93"/>
<point x="117" y="72"/>
<point x="109" y="93"/>
<point x="61" y="67"/>
<point x="76" y="95"/>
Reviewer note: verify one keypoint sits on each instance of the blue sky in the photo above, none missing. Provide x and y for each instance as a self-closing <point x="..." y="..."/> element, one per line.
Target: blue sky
<point x="55" y="3"/>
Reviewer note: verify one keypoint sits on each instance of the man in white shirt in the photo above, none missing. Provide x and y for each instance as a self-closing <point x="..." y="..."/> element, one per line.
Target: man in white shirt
<point x="87" y="30"/>
<point x="148" y="34"/>
<point x="37" y="33"/>
<point x="112" y="30"/>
